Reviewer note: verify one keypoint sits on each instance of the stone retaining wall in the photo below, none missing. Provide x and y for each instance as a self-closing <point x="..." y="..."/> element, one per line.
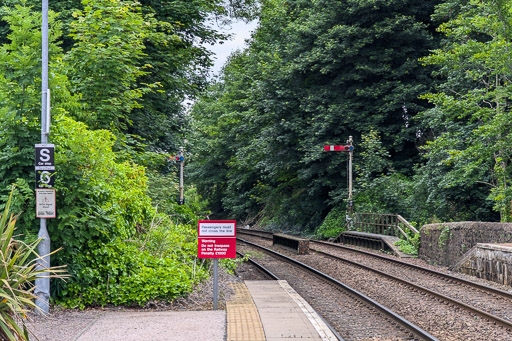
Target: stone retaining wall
<point x="492" y="262"/>
<point x="446" y="243"/>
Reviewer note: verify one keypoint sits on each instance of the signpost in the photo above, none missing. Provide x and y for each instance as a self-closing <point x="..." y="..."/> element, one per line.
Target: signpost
<point x="216" y="239"/>
<point x="44" y="156"/>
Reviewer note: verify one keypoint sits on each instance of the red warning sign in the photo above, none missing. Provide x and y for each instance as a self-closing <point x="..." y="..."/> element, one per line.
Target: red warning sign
<point x="216" y="239"/>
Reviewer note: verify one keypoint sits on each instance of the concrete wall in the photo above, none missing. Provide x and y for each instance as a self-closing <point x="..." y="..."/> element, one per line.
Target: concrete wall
<point x="446" y="243"/>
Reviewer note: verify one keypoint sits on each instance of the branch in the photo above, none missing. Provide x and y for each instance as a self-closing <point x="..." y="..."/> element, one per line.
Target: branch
<point x="486" y="183"/>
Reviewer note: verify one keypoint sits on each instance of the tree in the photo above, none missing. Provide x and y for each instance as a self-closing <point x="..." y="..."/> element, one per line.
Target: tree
<point x="469" y="127"/>
<point x="105" y="216"/>
<point x="20" y="73"/>
<point x="317" y="72"/>
<point x="103" y="65"/>
<point x="168" y="66"/>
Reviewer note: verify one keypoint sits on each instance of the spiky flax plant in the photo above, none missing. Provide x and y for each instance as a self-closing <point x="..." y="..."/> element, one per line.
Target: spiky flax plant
<point x="18" y="272"/>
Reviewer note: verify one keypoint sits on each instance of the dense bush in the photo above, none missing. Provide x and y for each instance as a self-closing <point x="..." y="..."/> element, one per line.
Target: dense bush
<point x="123" y="272"/>
<point x="118" y="249"/>
<point x="410" y="245"/>
<point x="116" y="244"/>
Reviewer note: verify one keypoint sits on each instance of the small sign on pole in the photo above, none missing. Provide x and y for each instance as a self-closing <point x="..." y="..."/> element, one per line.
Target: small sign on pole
<point x="216" y="239"/>
<point x="45" y="203"/>
<point x="45" y="165"/>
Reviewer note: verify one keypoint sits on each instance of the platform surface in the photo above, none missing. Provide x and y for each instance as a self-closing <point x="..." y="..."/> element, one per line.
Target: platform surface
<point x="258" y="311"/>
<point x="284" y="314"/>
<point x="243" y="320"/>
<point x="505" y="247"/>
<point x="98" y="325"/>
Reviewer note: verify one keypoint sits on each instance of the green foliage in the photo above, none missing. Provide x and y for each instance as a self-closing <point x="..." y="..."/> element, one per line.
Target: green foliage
<point x="18" y="270"/>
<point x="105" y="217"/>
<point x="444" y="237"/>
<point x="231" y="264"/>
<point x="118" y="248"/>
<point x="19" y="92"/>
<point x="379" y="188"/>
<point x="90" y="177"/>
<point x="172" y="68"/>
<point x="20" y="103"/>
<point x="103" y="65"/>
<point x="469" y="126"/>
<point x="122" y="272"/>
<point x="164" y="193"/>
<point x="314" y="74"/>
<point x="102" y="207"/>
<point x="334" y="223"/>
<point x="411" y="246"/>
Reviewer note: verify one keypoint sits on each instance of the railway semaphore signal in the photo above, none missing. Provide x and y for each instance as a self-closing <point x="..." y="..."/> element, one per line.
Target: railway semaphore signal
<point x="350" y="149"/>
<point x="345" y="148"/>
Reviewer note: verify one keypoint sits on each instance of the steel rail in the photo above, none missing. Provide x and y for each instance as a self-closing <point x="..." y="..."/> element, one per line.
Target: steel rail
<point x="482" y="287"/>
<point x="274" y="277"/>
<point x="503" y="293"/>
<point x="419" y="268"/>
<point x="259" y="266"/>
<point x="397" y="318"/>
<point x="487" y="315"/>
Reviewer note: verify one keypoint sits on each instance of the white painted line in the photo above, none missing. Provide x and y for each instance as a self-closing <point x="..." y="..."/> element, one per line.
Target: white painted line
<point x="323" y="330"/>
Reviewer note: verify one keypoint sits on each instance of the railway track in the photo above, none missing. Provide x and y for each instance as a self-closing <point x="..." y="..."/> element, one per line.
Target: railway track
<point x="457" y="303"/>
<point x="488" y="302"/>
<point x="353" y="315"/>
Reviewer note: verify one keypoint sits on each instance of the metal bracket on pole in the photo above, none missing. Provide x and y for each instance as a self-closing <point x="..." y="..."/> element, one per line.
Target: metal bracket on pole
<point x="45" y="116"/>
<point x="48" y="114"/>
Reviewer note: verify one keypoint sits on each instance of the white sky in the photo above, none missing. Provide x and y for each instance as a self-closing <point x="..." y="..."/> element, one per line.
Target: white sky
<point x="240" y="31"/>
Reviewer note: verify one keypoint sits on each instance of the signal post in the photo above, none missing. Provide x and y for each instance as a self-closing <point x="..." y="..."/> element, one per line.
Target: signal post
<point x="350" y="149"/>
<point x="44" y="177"/>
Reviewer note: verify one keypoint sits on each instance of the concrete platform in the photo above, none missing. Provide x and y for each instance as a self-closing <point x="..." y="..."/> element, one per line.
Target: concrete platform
<point x="97" y="325"/>
<point x="284" y="314"/>
<point x="490" y="261"/>
<point x="243" y="320"/>
<point x="372" y="241"/>
<point x="258" y="311"/>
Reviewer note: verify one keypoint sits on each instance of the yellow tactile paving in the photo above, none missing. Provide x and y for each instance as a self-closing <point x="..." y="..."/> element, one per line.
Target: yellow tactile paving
<point x="243" y="320"/>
